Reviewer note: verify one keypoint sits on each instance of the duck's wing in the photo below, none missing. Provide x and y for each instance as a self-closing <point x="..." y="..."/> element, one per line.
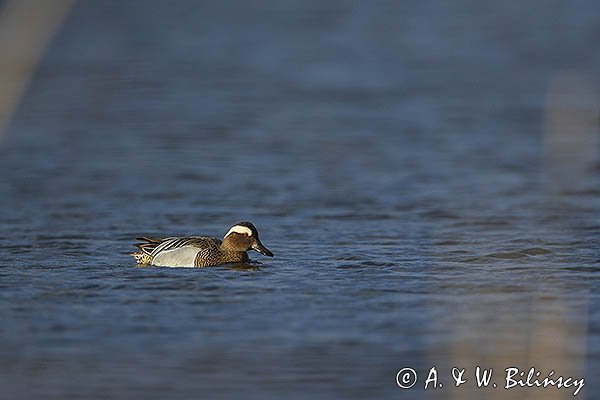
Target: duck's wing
<point x="182" y="251"/>
<point x="149" y="244"/>
<point x="154" y="246"/>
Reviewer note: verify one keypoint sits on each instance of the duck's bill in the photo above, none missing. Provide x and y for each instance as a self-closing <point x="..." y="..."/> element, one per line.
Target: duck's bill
<point x="262" y="250"/>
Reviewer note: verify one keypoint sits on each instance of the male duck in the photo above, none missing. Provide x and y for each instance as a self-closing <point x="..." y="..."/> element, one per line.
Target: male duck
<point x="199" y="251"/>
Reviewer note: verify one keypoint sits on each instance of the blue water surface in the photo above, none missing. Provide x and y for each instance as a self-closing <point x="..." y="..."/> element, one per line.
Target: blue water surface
<point x="426" y="174"/>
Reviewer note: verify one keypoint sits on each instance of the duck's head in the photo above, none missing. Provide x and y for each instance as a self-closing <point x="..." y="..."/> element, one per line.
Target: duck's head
<point x="243" y="236"/>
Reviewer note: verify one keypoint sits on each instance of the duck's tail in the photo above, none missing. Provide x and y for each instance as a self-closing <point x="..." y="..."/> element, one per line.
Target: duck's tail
<point x="143" y="257"/>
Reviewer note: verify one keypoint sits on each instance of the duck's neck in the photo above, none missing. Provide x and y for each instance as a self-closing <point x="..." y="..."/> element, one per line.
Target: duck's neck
<point x="230" y="254"/>
<point x="233" y="249"/>
<point x="227" y="247"/>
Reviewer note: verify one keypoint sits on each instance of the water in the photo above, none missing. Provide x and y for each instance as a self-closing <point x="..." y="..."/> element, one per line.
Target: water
<point x="426" y="175"/>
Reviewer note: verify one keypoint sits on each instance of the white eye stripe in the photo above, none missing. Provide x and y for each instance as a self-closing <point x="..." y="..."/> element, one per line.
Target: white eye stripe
<point x="239" y="229"/>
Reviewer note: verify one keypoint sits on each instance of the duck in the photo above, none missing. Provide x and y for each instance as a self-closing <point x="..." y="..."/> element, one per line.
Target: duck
<point x="200" y="251"/>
